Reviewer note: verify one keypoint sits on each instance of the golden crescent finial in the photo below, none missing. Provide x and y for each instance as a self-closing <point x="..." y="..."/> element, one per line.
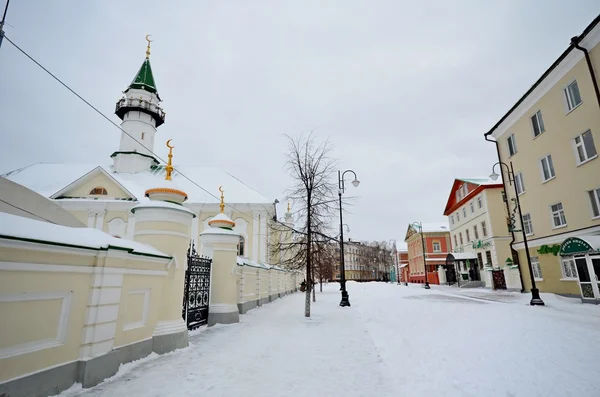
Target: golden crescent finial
<point x="168" y="144"/>
<point x="169" y="167"/>
<point x="221" y="189"/>
<point x="222" y="205"/>
<point x="148" y="48"/>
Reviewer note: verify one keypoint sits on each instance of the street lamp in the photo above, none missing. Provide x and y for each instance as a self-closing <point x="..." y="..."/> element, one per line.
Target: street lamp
<point x="345" y="299"/>
<point x="420" y="226"/>
<point x="536" y="300"/>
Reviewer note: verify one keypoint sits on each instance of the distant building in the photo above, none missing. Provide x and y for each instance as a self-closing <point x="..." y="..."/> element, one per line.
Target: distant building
<point x="436" y="238"/>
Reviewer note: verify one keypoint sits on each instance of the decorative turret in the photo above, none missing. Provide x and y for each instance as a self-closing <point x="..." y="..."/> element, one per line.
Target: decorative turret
<point x="221" y="220"/>
<point x="142" y="115"/>
<point x="168" y="190"/>
<point x="289" y="217"/>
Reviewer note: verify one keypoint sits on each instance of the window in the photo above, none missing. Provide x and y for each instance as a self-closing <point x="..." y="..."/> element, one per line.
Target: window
<point x="483" y="229"/>
<point x="437" y="247"/>
<point x="455" y="241"/>
<point x="488" y="258"/>
<point x="479" y="203"/>
<point x="537" y="123"/>
<point x="584" y="145"/>
<point x="472" y="207"/>
<point x="547" y="168"/>
<point x="464" y="212"/>
<point x="480" y="260"/>
<point x="558" y="215"/>
<point x="457" y="217"/>
<point x="468" y="236"/>
<point x="520" y="183"/>
<point x="537" y="270"/>
<point x="572" y="95"/>
<point x="527" y="225"/>
<point x="475" y="232"/>
<point x="100" y="191"/>
<point x="143" y="135"/>
<point x="595" y="201"/>
<point x="241" y="246"/>
<point x="568" y="268"/>
<point x="460" y="238"/>
<point x="452" y="219"/>
<point x="512" y="145"/>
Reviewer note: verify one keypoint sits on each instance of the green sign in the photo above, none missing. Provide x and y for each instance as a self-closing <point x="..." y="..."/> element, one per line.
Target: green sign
<point x="477" y="244"/>
<point x="549" y="249"/>
<point x="574" y="245"/>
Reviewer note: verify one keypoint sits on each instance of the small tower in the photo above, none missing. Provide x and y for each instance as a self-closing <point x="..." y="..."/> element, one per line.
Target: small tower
<point x="289" y="217"/>
<point x="142" y="115"/>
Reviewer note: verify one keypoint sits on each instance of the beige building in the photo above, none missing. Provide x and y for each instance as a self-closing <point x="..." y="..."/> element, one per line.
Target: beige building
<point x="551" y="139"/>
<point x="480" y="238"/>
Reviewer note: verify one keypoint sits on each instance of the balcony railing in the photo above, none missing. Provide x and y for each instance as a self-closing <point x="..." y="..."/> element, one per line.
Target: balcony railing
<point x="140" y="103"/>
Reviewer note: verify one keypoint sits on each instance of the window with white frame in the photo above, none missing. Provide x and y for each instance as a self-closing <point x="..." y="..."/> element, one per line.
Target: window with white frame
<point x="479" y="203"/>
<point x="568" y="268"/>
<point x="437" y="247"/>
<point x="527" y="224"/>
<point x="475" y="232"/>
<point x="585" y="147"/>
<point x="457" y="217"/>
<point x="572" y="95"/>
<point x="468" y="235"/>
<point x="455" y="241"/>
<point x="520" y="182"/>
<point x="452" y="219"/>
<point x="483" y="229"/>
<point x="512" y="145"/>
<point x="547" y="168"/>
<point x="464" y="212"/>
<point x="537" y="270"/>
<point x="537" y="123"/>
<point x="460" y="238"/>
<point x="472" y="207"/>
<point x="558" y="215"/>
<point x="594" y="196"/>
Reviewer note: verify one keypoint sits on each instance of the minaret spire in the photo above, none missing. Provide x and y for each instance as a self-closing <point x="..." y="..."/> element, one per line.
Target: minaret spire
<point x="148" y="48"/>
<point x="169" y="167"/>
<point x="222" y="205"/>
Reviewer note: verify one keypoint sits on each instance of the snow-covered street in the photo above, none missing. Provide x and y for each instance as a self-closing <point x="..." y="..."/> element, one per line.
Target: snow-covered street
<point x="393" y="341"/>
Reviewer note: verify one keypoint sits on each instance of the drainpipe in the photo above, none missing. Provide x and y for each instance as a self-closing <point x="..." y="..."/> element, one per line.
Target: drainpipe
<point x="514" y="253"/>
<point x="575" y="43"/>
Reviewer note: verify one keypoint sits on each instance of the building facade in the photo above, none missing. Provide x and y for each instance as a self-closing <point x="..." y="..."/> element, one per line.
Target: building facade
<point x="403" y="265"/>
<point x="480" y="237"/>
<point x="436" y="238"/>
<point x="551" y="138"/>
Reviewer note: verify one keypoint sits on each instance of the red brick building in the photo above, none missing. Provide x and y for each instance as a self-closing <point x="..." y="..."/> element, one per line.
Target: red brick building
<point x="403" y="265"/>
<point x="436" y="237"/>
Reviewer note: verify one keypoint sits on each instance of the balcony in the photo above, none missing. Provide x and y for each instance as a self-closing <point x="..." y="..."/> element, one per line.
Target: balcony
<point x="125" y="105"/>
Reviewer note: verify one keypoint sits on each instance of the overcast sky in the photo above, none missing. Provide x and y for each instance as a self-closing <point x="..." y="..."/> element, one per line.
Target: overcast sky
<point x="404" y="90"/>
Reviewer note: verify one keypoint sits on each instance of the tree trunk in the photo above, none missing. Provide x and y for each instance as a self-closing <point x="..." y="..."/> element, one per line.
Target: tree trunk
<point x="321" y="285"/>
<point x="314" y="297"/>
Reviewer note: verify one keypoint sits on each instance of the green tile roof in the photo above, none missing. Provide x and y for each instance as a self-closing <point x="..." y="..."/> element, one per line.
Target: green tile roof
<point x="144" y="80"/>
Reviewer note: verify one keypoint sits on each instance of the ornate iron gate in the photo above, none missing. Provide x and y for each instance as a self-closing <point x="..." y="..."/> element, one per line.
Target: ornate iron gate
<point x="498" y="279"/>
<point x="196" y="289"/>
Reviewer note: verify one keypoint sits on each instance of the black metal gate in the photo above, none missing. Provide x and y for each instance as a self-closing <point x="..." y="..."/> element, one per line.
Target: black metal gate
<point x="498" y="279"/>
<point x="196" y="289"/>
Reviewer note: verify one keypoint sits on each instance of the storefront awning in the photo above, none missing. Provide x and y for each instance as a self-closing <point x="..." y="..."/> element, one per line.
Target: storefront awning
<point x="460" y="256"/>
<point x="580" y="246"/>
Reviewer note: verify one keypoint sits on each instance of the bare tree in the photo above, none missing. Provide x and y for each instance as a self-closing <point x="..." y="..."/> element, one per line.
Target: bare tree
<point x="313" y="193"/>
<point x="324" y="261"/>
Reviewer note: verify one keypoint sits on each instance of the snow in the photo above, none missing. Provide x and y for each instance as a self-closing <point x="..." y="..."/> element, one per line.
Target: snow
<point x="25" y="228"/>
<point x="430" y="227"/>
<point x="162" y="204"/>
<point x="393" y="341"/>
<point x="483" y="180"/>
<point x="49" y="178"/>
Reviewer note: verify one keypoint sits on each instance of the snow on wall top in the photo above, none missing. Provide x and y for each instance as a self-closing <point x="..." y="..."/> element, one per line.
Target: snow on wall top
<point x="24" y="228"/>
<point x="49" y="178"/>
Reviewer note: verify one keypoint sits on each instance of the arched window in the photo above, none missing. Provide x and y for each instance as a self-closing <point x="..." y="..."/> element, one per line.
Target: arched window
<point x="241" y="246"/>
<point x="99" y="191"/>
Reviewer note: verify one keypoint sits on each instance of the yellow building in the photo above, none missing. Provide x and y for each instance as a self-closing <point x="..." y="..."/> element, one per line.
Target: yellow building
<point x="550" y="139"/>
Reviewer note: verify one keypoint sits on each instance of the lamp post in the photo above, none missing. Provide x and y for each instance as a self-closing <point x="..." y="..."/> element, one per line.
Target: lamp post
<point x="420" y="226"/>
<point x="341" y="254"/>
<point x="536" y="300"/>
<point x="345" y="299"/>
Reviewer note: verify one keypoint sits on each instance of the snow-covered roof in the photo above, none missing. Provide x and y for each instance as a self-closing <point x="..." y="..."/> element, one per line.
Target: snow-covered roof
<point x="430" y="227"/>
<point x="484" y="180"/>
<point x="49" y="178"/>
<point x="20" y="228"/>
<point x="162" y="204"/>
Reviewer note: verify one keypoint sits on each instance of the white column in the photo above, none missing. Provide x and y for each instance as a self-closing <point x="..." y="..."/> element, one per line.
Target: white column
<point x="130" y="226"/>
<point x="91" y="219"/>
<point x="263" y="237"/>
<point x="196" y="230"/>
<point x="255" y="235"/>
<point x="100" y="220"/>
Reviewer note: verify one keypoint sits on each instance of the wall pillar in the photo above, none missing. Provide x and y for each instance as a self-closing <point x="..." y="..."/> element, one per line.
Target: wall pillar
<point x="221" y="245"/>
<point x="442" y="275"/>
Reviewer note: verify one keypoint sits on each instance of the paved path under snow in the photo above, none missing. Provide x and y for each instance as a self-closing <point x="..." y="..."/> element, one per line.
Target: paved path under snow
<point x="393" y="341"/>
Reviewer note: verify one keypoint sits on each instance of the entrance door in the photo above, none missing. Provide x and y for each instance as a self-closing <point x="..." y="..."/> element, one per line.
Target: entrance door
<point x="585" y="281"/>
<point x="595" y="276"/>
<point x="450" y="274"/>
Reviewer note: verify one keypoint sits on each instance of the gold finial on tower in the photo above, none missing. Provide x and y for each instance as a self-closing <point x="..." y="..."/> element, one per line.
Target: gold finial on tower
<point x="148" y="48"/>
<point x="289" y="208"/>
<point x="169" y="167"/>
<point x="222" y="205"/>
